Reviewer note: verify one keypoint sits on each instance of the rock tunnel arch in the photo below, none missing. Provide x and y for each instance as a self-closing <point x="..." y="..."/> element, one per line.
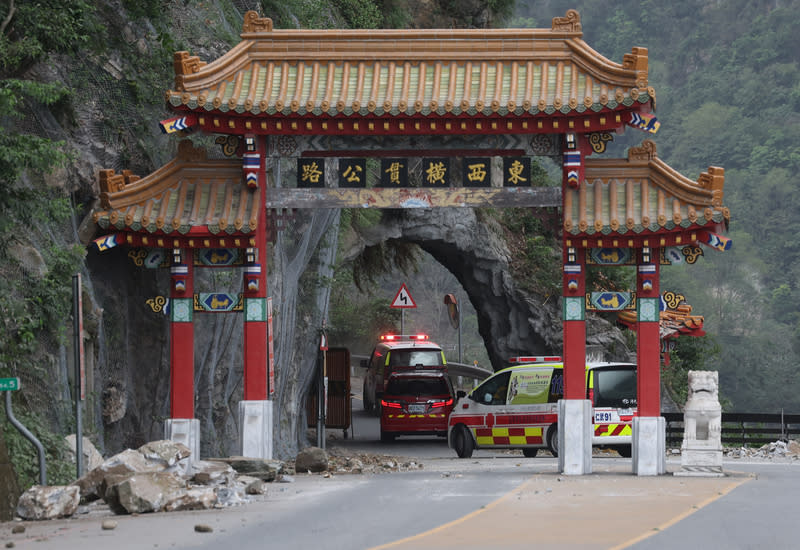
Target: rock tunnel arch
<point x="511" y="320"/>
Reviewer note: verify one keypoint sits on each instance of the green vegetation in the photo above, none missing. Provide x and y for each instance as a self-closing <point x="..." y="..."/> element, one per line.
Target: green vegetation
<point x="358" y="318"/>
<point x="386" y="14"/>
<point x="58" y="460"/>
<point x="690" y="353"/>
<point x="33" y="308"/>
<point x="536" y="250"/>
<point x="726" y="76"/>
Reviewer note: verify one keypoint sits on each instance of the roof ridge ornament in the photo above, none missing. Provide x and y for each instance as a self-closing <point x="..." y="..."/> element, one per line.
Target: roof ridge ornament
<point x="570" y="23"/>
<point x="637" y="61"/>
<point x="185" y="64"/>
<point x="254" y="23"/>
<point x="714" y="181"/>
<point x="646" y="151"/>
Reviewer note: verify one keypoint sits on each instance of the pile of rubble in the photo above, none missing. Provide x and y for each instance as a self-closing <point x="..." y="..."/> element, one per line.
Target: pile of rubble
<point x="344" y="461"/>
<point x="159" y="476"/>
<point x="776" y="449"/>
<point x="155" y="477"/>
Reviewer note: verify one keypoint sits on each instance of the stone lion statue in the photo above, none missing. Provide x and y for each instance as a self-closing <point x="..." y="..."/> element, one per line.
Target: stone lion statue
<point x="702" y="415"/>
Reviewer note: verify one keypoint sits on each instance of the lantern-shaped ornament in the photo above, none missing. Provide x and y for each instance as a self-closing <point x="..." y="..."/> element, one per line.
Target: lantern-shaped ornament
<point x="251" y="275"/>
<point x="179" y="275"/>
<point x="251" y="162"/>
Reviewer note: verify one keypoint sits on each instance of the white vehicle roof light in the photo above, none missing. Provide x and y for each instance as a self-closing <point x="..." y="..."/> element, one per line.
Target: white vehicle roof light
<point x="525" y="359"/>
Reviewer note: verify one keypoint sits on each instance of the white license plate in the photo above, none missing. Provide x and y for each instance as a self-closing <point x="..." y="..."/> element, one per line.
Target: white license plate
<point x="416" y="409"/>
<point x="605" y="417"/>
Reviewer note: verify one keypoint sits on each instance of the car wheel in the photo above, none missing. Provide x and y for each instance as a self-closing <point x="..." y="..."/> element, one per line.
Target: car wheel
<point x="529" y="453"/>
<point x="462" y="442"/>
<point x="624" y="451"/>
<point x="387" y="437"/>
<point x="552" y="439"/>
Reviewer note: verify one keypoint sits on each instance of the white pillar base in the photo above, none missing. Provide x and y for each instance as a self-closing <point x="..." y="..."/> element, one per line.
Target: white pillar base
<point x="649" y="445"/>
<point x="186" y="431"/>
<point x="255" y="429"/>
<point x="575" y="436"/>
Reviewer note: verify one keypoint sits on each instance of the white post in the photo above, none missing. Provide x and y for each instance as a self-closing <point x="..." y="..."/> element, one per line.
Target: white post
<point x="255" y="428"/>
<point x="575" y="436"/>
<point x="185" y="431"/>
<point x="649" y="445"/>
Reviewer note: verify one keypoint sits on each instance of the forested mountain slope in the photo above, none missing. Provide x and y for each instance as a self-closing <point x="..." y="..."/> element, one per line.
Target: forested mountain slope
<point x="728" y="94"/>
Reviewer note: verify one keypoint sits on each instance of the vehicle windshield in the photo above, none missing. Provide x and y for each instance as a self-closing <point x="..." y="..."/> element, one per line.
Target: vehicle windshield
<point x="615" y="387"/>
<point x="405" y="385"/>
<point x="414" y="357"/>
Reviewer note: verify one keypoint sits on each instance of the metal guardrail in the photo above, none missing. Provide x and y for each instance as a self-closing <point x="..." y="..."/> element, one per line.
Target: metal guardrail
<point x="455" y="369"/>
<point x="742" y="428"/>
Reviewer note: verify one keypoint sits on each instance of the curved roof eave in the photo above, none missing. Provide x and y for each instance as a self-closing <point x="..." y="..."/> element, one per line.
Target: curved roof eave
<point x="643" y="194"/>
<point x="406" y="71"/>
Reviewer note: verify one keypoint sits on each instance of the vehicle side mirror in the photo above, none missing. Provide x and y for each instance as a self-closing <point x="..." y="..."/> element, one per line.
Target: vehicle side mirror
<point x="460" y="394"/>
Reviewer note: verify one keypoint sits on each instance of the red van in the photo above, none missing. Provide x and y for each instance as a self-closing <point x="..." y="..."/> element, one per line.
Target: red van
<point x="416" y="401"/>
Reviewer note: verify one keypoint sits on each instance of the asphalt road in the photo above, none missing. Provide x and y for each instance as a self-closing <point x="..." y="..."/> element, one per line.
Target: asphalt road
<point x="493" y="500"/>
<point x="756" y="515"/>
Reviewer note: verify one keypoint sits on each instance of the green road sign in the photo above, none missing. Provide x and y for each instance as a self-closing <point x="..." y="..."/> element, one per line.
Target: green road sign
<point x="9" y="384"/>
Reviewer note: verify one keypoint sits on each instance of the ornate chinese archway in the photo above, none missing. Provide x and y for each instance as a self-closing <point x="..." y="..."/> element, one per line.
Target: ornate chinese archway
<point x="324" y="98"/>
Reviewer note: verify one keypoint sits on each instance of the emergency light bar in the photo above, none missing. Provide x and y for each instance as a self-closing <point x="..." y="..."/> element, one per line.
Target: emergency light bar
<point x="392" y="337"/>
<point x="536" y="359"/>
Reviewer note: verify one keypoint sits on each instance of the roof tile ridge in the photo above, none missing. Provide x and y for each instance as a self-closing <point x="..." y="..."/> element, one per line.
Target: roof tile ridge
<point x="140" y="190"/>
<point x="632" y="72"/>
<point x="193" y="74"/>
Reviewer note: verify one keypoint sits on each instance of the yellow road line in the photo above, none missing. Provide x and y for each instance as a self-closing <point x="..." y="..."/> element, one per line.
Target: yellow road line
<point x="462" y="519"/>
<point x="683" y="515"/>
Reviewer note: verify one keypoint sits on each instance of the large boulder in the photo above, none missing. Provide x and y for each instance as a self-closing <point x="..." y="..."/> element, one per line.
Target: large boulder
<point x="262" y="468"/>
<point x="165" y="452"/>
<point x="91" y="456"/>
<point x="129" y="461"/>
<point x="145" y="492"/>
<point x="311" y="459"/>
<point x="211" y="472"/>
<point x="48" y="502"/>
<point x="195" y="498"/>
<point x="156" y="456"/>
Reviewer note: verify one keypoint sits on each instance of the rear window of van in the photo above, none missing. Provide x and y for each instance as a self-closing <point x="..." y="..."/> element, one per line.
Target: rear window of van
<point x="417" y="386"/>
<point x="615" y="387"/>
<point x="412" y="358"/>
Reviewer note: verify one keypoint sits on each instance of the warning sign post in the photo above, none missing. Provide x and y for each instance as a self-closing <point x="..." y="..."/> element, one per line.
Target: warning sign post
<point x="404" y="301"/>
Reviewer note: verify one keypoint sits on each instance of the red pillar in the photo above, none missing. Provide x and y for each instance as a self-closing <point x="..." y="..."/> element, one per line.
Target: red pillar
<point x="574" y="281"/>
<point x="648" y="344"/>
<point x="255" y="293"/>
<point x="181" y="354"/>
<point x="574" y="323"/>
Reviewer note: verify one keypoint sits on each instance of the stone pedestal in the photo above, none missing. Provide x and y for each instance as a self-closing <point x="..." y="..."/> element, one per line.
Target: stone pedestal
<point x="697" y="461"/>
<point x="649" y="445"/>
<point x="255" y="429"/>
<point x="575" y="436"/>
<point x="185" y="431"/>
<point x="701" y="450"/>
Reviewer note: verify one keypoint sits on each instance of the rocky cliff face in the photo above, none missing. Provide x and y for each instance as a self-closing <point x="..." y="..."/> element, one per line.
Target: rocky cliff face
<point x="511" y="321"/>
<point x="113" y="124"/>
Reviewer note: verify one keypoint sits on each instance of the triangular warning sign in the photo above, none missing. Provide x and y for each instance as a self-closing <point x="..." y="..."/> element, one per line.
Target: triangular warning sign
<point x="403" y="298"/>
